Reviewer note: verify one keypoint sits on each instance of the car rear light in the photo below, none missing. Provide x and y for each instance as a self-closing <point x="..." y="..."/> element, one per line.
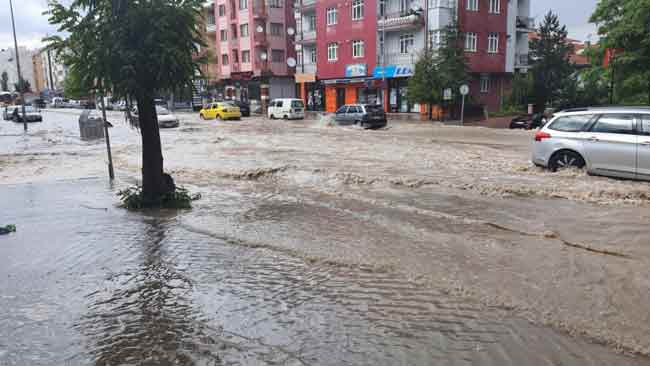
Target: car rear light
<point x="540" y="135"/>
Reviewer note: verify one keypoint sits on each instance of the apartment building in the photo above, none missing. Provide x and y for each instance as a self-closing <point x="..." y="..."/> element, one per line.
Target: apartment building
<point x="365" y="50"/>
<point x="255" y="52"/>
<point x="208" y="25"/>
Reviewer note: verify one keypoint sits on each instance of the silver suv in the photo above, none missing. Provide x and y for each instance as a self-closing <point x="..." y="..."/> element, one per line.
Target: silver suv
<point x="611" y="141"/>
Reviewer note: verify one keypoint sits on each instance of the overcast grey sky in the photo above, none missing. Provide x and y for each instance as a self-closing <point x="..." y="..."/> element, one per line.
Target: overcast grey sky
<point x="31" y="25"/>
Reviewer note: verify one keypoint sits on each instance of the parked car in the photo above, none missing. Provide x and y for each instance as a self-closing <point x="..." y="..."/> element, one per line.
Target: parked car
<point x="611" y="141"/>
<point x="165" y="118"/>
<point x="219" y="111"/>
<point x="31" y="114"/>
<point x="39" y="103"/>
<point x="244" y="108"/>
<point x="364" y="115"/>
<point x="8" y="111"/>
<point x="60" y="102"/>
<point x="286" y="108"/>
<point x="528" y="121"/>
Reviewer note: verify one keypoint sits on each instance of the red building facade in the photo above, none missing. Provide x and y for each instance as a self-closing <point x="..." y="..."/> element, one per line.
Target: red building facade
<point x="346" y="41"/>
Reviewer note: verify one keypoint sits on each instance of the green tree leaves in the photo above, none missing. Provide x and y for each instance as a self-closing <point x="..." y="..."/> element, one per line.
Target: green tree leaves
<point x="552" y="69"/>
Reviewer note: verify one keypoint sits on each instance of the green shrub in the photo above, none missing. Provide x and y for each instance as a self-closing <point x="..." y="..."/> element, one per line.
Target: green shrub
<point x="132" y="199"/>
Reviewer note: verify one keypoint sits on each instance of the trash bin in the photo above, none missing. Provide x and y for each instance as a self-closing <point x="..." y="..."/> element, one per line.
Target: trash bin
<point x="91" y="125"/>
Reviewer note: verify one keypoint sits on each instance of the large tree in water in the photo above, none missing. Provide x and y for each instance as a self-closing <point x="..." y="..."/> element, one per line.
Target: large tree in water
<point x="134" y="49"/>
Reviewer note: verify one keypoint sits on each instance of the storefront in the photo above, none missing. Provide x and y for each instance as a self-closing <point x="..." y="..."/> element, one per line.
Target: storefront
<point x="396" y="78"/>
<point x="311" y="91"/>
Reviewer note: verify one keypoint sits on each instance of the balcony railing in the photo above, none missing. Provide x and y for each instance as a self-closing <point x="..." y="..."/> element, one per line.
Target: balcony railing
<point x="306" y="4"/>
<point x="449" y="4"/>
<point x="308" y="36"/>
<point x="525" y="23"/>
<point x="401" y="20"/>
<point x="210" y="28"/>
<point x="521" y="60"/>
<point x="397" y="58"/>
<point x="260" y="39"/>
<point x="310" y="68"/>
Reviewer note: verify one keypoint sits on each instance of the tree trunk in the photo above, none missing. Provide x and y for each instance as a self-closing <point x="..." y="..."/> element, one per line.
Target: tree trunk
<point x="155" y="183"/>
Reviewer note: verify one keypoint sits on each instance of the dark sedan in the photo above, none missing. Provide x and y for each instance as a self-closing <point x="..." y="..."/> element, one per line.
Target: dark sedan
<point x="244" y="108"/>
<point x="363" y="115"/>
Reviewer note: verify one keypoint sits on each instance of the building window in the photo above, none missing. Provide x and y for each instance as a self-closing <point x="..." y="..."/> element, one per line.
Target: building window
<point x="332" y="52"/>
<point x="222" y="10"/>
<point x="406" y="42"/>
<point x="357" y="49"/>
<point x="382" y="7"/>
<point x="233" y="31"/>
<point x="486" y="83"/>
<point x="224" y="35"/>
<point x="380" y="40"/>
<point x="243" y="30"/>
<point x="434" y="39"/>
<point x="245" y="57"/>
<point x="277" y="56"/>
<point x="495" y="6"/>
<point x="224" y="60"/>
<point x="311" y="23"/>
<point x="313" y="56"/>
<point x="243" y="4"/>
<point x="331" y="16"/>
<point x="493" y="43"/>
<point x="275" y="3"/>
<point x="471" y="42"/>
<point x="472" y="5"/>
<point x="276" y="29"/>
<point x="235" y="56"/>
<point x="357" y="9"/>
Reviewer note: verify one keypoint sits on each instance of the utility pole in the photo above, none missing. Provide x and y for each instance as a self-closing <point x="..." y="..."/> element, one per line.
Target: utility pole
<point x="21" y="82"/>
<point x="49" y="68"/>
<point x="426" y="27"/>
<point x="302" y="41"/>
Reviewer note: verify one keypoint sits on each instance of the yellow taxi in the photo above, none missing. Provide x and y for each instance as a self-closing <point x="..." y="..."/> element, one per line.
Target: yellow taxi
<point x="220" y="111"/>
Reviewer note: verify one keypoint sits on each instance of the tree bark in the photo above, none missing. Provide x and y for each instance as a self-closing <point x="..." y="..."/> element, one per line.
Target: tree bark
<point x="155" y="183"/>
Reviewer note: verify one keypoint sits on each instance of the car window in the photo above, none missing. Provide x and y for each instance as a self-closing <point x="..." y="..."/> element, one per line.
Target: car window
<point x="373" y="109"/>
<point x="341" y="110"/>
<point x="571" y="123"/>
<point x="614" y="123"/>
<point x="353" y="109"/>
<point x="279" y="104"/>
<point x="297" y="104"/>
<point x="645" y="124"/>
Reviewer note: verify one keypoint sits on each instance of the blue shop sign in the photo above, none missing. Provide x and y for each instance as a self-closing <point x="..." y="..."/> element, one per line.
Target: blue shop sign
<point x="392" y="71"/>
<point x="356" y="70"/>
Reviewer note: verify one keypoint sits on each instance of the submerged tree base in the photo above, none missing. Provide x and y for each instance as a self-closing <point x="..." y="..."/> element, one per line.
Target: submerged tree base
<point x="180" y="198"/>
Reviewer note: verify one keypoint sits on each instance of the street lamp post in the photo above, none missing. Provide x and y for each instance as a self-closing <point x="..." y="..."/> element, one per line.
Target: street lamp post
<point x="21" y="83"/>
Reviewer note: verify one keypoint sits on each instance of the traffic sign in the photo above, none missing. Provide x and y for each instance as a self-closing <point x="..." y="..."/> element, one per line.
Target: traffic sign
<point x="464" y="89"/>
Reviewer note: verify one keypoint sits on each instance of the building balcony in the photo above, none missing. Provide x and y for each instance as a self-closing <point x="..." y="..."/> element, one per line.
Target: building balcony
<point x="525" y="24"/>
<point x="210" y="28"/>
<point x="260" y="39"/>
<point x="306" y="4"/>
<point x="309" y="68"/>
<point x="308" y="37"/>
<point x="259" y="9"/>
<point x="401" y="21"/>
<point x="522" y="61"/>
<point x="398" y="59"/>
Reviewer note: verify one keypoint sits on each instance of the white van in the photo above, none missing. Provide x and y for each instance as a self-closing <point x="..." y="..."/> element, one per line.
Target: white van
<point x="286" y="108"/>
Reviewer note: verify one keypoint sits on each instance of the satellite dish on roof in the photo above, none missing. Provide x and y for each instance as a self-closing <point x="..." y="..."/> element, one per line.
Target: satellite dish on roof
<point x="291" y="62"/>
<point x="291" y="31"/>
<point x="264" y="56"/>
<point x="259" y="29"/>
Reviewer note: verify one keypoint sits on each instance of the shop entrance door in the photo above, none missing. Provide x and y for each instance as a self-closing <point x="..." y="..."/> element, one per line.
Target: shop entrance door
<point x="340" y="97"/>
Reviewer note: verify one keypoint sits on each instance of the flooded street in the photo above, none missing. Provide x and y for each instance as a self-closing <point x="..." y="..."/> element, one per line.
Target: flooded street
<point x="413" y="245"/>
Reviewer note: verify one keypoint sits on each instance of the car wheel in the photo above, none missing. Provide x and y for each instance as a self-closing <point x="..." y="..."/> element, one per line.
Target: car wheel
<point x="201" y="116"/>
<point x="565" y="159"/>
<point x="285" y="117"/>
<point x="272" y="117"/>
<point x="218" y="117"/>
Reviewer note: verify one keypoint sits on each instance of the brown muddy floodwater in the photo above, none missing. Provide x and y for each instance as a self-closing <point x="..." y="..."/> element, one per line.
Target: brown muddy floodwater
<point x="83" y="282"/>
<point x="316" y="246"/>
